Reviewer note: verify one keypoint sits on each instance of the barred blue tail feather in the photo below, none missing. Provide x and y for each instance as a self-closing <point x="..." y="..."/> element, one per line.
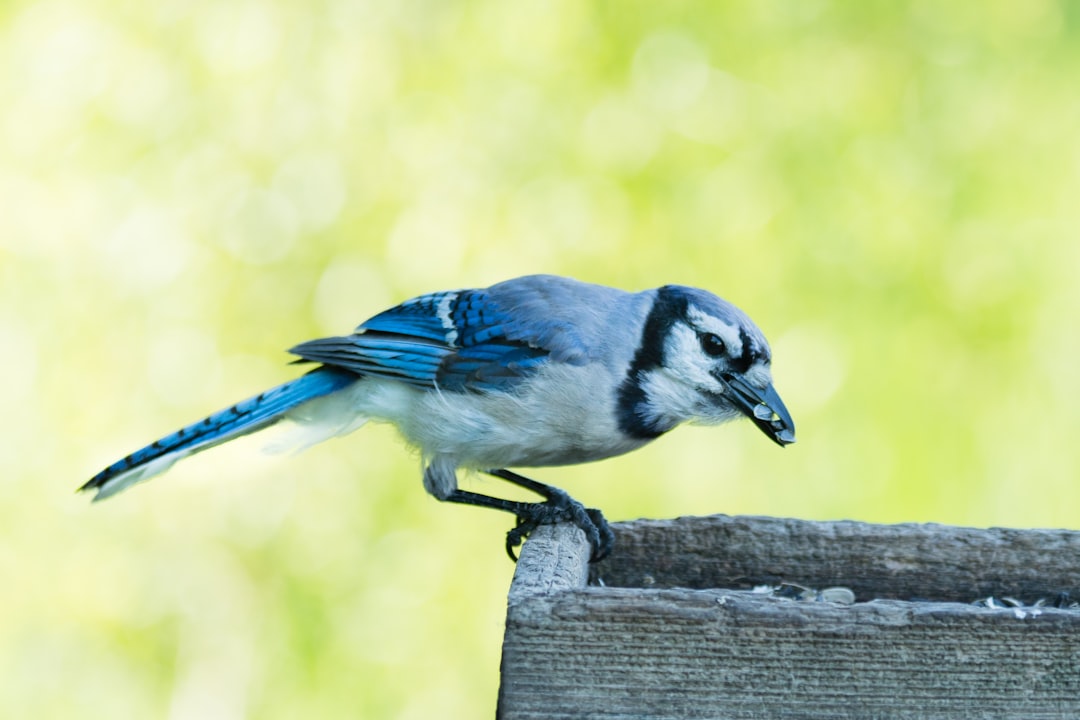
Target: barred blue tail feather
<point x="246" y="416"/>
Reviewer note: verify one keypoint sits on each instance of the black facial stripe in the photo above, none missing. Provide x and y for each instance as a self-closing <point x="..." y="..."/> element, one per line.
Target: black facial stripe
<point x="669" y="307"/>
<point x="742" y="363"/>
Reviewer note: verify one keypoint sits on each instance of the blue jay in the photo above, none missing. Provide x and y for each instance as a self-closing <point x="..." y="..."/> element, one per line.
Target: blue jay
<point x="535" y="371"/>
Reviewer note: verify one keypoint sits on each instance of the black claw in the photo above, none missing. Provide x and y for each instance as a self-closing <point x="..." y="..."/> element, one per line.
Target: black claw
<point x="517" y="535"/>
<point x="606" y="536"/>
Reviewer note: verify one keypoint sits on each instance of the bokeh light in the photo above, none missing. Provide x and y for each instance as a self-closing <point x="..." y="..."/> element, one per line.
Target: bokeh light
<point x="189" y="188"/>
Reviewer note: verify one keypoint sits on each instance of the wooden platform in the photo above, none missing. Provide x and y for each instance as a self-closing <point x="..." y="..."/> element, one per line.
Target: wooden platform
<point x="676" y="630"/>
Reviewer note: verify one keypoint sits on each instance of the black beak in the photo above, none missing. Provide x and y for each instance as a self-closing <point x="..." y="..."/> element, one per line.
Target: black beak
<point x="763" y="406"/>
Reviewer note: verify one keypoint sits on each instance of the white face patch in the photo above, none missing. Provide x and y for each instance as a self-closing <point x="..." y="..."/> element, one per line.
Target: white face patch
<point x="443" y="313"/>
<point x="687" y="362"/>
<point x="669" y="400"/>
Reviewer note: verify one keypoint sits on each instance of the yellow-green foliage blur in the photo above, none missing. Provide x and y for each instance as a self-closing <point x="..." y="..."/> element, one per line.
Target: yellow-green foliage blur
<point x="892" y="191"/>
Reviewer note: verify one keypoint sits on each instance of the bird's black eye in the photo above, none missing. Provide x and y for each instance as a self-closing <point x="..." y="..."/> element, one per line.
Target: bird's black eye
<point x="712" y="344"/>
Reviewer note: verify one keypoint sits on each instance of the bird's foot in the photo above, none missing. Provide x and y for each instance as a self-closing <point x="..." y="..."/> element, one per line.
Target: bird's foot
<point x="560" y="507"/>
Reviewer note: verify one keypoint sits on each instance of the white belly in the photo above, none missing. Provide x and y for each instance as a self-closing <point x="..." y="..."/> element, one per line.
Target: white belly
<point x="572" y="423"/>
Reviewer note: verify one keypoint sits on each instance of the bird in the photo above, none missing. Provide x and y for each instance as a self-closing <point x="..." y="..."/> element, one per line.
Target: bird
<point x="536" y="371"/>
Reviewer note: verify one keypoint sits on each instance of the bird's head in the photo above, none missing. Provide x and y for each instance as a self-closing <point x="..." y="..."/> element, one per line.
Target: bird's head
<point x="701" y="359"/>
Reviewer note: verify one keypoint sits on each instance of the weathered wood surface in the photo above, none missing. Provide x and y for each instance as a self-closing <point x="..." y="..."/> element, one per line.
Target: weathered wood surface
<point x="908" y="561"/>
<point x="664" y="639"/>
<point x="553" y="559"/>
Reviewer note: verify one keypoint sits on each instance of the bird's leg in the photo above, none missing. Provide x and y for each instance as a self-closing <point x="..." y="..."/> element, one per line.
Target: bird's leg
<point x="557" y="507"/>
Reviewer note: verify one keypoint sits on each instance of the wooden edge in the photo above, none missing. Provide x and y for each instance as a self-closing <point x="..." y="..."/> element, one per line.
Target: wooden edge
<point x="683" y="606"/>
<point x="554" y="558"/>
<point x="904" y="561"/>
<point x="923" y="562"/>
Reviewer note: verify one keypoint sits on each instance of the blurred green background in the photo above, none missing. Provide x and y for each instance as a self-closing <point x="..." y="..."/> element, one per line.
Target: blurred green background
<point x="892" y="190"/>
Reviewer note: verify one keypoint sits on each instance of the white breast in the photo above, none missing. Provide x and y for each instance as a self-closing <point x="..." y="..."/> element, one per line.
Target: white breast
<point x="563" y="415"/>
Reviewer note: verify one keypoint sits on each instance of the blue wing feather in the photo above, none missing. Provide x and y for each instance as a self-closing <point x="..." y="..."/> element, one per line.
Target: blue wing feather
<point x="416" y="318"/>
<point x="463" y="340"/>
